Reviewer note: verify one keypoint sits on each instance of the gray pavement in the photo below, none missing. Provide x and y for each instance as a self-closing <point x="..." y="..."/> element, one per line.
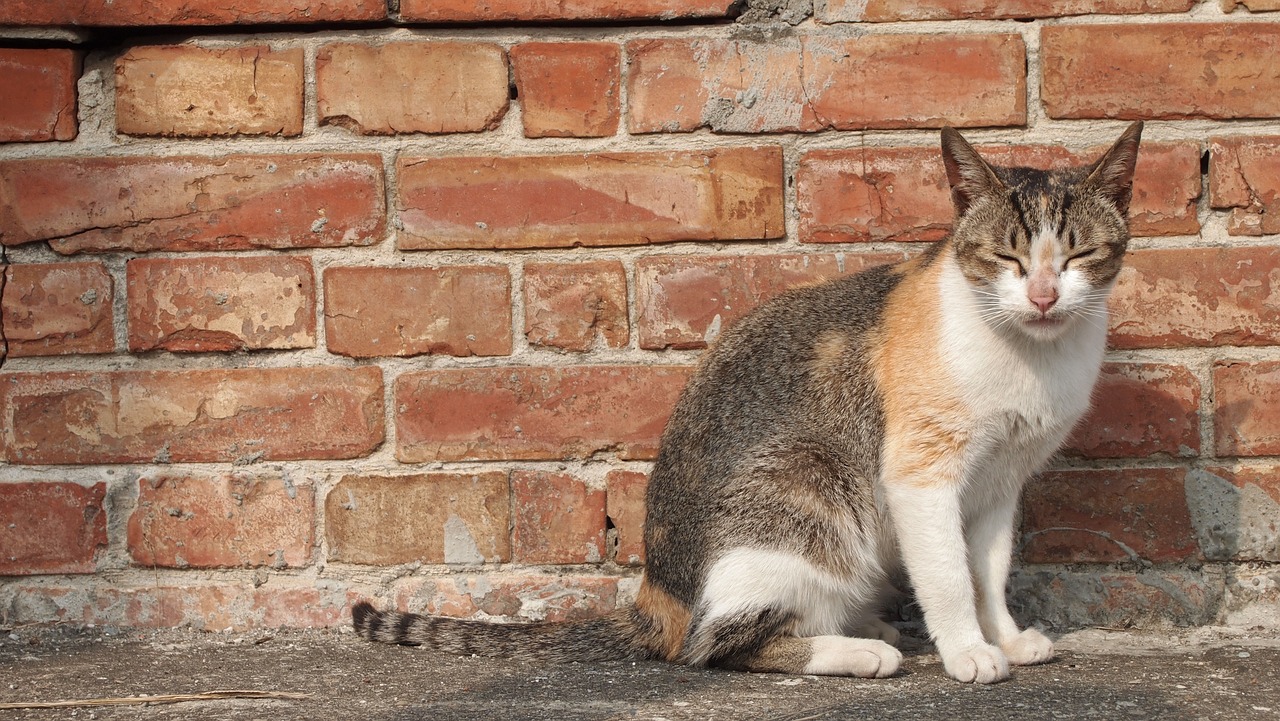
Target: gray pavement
<point x="1200" y="674"/>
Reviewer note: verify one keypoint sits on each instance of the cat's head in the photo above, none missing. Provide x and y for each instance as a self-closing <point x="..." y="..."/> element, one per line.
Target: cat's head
<point x="1041" y="249"/>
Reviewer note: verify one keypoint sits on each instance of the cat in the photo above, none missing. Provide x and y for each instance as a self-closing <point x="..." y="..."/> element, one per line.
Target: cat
<point x="845" y="431"/>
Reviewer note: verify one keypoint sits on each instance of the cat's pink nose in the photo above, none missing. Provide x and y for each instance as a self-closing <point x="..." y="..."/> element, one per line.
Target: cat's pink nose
<point x="1045" y="301"/>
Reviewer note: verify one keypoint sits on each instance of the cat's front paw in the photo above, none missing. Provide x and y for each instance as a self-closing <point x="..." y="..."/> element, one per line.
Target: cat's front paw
<point x="1028" y="648"/>
<point x="977" y="664"/>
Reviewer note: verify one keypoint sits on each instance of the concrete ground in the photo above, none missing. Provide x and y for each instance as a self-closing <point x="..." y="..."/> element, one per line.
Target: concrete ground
<point x="1200" y="674"/>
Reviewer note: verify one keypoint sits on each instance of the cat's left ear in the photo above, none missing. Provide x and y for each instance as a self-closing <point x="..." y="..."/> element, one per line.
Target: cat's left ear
<point x="969" y="175"/>
<point x="1112" y="176"/>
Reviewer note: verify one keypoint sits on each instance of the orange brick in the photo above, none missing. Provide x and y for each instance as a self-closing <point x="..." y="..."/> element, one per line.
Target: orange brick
<point x="534" y="597"/>
<point x="1140" y="410"/>
<point x="897" y="194"/>
<point x="39" y="91"/>
<point x="546" y="10"/>
<point x="592" y="199"/>
<point x="1102" y="516"/>
<point x="557" y="519"/>
<point x="1244" y="175"/>
<point x="51" y="527"/>
<point x="533" y="413"/>
<point x="58" y="308"/>
<point x="816" y="83"/>
<point x="198" y="416"/>
<point x="455" y="310"/>
<point x="199" y="92"/>
<point x="238" y="519"/>
<point x="133" y="13"/>
<point x="567" y="90"/>
<point x="851" y="11"/>
<point x="411" y="87"/>
<point x="1182" y="70"/>
<point x="455" y="518"/>
<point x="686" y="301"/>
<point x="1246" y="418"/>
<point x="192" y="203"/>
<point x="1196" y="297"/>
<point x="221" y="304"/>
<point x="575" y="306"/>
<point x="1256" y="6"/>
<point x="625" y="506"/>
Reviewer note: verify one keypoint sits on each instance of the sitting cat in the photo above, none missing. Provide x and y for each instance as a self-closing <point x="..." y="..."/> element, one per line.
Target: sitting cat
<point x="847" y="430"/>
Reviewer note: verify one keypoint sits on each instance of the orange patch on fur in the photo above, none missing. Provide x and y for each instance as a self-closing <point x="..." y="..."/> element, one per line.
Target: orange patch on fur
<point x="668" y="614"/>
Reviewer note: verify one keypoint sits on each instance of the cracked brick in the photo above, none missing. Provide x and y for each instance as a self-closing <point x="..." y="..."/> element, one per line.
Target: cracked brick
<point x="575" y="306"/>
<point x="470" y="11"/>
<point x="860" y="11"/>
<point x="135" y="13"/>
<point x="39" y="91"/>
<point x="58" y="308"/>
<point x="1244" y="176"/>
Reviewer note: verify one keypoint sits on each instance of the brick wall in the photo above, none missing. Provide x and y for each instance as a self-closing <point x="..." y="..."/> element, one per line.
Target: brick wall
<point x="313" y="301"/>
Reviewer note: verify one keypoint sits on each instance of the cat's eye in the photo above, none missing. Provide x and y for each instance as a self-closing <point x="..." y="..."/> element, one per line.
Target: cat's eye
<point x="1022" y="271"/>
<point x="1080" y="256"/>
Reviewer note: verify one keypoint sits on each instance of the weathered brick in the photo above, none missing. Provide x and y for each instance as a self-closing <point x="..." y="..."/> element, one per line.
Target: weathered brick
<point x="1168" y="71"/>
<point x="1255" y="6"/>
<point x="567" y="90"/>
<point x="1140" y="410"/>
<point x="39" y="91"/>
<point x="454" y="310"/>
<point x="221" y="304"/>
<point x="1197" y="297"/>
<point x="557" y="519"/>
<point x="1236" y="512"/>
<point x="1101" y="516"/>
<point x="811" y="83"/>
<point x="686" y="301"/>
<point x="525" y="597"/>
<point x="533" y="413"/>
<point x="851" y="11"/>
<point x="575" y="306"/>
<point x="58" y="308"/>
<point x="192" y="203"/>
<point x="896" y="194"/>
<point x="456" y="518"/>
<point x="467" y="11"/>
<point x="626" y="510"/>
<point x="133" y="13"/>
<point x="412" y="87"/>
<point x="238" y="519"/>
<point x="196" y="92"/>
<point x="198" y="416"/>
<point x="1244" y="175"/>
<point x="1076" y="597"/>
<point x="1246" y="418"/>
<point x="51" y="527"/>
<point x="591" y="199"/>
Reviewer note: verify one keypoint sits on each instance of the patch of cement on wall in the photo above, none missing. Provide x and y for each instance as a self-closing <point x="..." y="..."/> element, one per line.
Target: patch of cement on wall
<point x="1231" y="522"/>
<point x="792" y="12"/>
<point x="459" y="545"/>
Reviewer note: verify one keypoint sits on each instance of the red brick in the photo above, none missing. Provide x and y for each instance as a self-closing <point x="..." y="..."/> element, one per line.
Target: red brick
<point x="221" y="304"/>
<point x="568" y="90"/>
<point x="1165" y="71"/>
<point x="455" y="518"/>
<point x="1197" y="297"/>
<point x="576" y="306"/>
<point x="685" y="301"/>
<point x="557" y="519"/>
<point x="526" y="598"/>
<point x="58" y="308"/>
<point x="1246" y="418"/>
<point x="240" y="415"/>
<point x="1140" y="410"/>
<point x="1237" y="512"/>
<point x="534" y="413"/>
<point x="432" y="87"/>
<point x="51" y="527"/>
<point x="891" y="10"/>
<point x="196" y="92"/>
<point x="897" y="194"/>
<point x="467" y="11"/>
<point x="238" y="519"/>
<point x="813" y="83"/>
<point x="133" y="13"/>
<point x="1244" y="175"/>
<point x="590" y="199"/>
<point x="1102" y="516"/>
<point x="192" y="203"/>
<point x="455" y="310"/>
<point x="39" y="91"/>
<point x="1255" y="6"/>
<point x="625" y="506"/>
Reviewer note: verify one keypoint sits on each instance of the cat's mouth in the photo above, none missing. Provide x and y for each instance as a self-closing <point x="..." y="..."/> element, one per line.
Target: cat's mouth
<point x="1045" y="322"/>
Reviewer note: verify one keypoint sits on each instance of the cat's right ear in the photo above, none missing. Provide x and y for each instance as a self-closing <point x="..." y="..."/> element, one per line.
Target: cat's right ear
<point x="969" y="175"/>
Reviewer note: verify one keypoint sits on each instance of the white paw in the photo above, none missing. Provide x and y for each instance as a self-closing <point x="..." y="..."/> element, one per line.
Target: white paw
<point x="861" y="657"/>
<point x="875" y="628"/>
<point x="1028" y="648"/>
<point x="977" y="664"/>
